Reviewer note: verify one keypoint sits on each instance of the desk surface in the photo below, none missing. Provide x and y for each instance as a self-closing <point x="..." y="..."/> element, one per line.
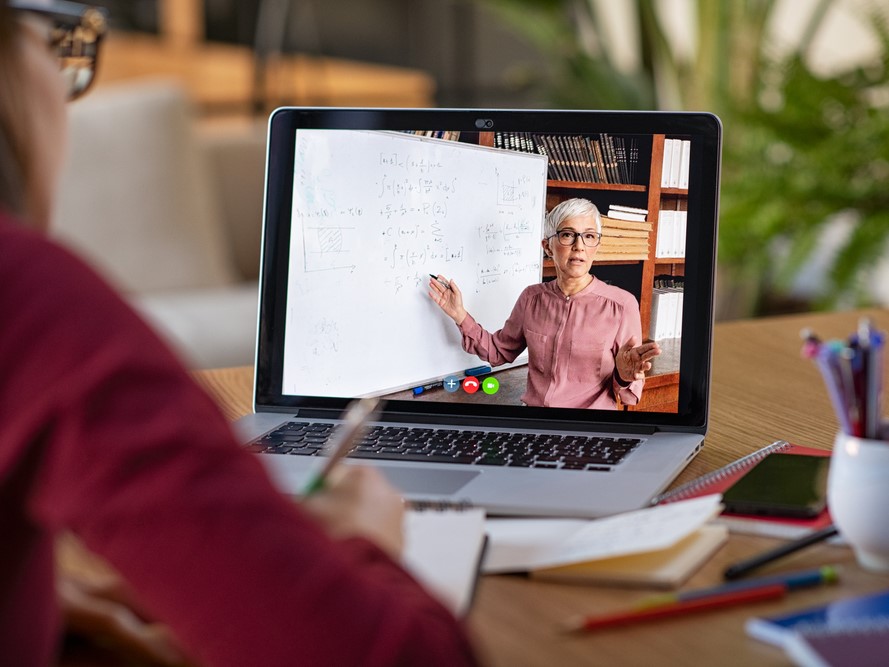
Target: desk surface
<point x="762" y="391"/>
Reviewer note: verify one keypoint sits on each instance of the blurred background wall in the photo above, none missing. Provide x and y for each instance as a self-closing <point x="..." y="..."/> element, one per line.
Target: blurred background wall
<point x="806" y="78"/>
<point x="802" y="88"/>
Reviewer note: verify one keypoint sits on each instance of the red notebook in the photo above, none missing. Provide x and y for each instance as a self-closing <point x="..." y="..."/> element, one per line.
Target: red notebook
<point x="718" y="481"/>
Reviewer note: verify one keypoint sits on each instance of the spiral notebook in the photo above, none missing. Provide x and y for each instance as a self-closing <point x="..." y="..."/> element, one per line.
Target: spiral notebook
<point x="719" y="481"/>
<point x="444" y="548"/>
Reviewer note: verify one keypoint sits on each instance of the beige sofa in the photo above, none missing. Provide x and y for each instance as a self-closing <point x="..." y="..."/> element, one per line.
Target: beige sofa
<point x="170" y="211"/>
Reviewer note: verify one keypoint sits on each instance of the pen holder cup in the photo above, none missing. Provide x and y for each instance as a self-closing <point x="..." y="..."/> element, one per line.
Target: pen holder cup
<point x="858" y="497"/>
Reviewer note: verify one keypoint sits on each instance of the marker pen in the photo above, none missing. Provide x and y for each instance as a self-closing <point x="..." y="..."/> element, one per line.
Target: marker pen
<point x="426" y="387"/>
<point x="443" y="283"/>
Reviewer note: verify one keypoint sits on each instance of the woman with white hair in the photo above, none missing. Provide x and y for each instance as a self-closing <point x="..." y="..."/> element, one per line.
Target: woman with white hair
<point x="584" y="337"/>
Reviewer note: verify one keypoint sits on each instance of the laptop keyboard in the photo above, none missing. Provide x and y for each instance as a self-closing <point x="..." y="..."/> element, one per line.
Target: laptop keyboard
<point x="565" y="452"/>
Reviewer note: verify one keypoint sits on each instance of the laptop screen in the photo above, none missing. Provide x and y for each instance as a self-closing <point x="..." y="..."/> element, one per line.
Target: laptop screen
<point x="496" y="265"/>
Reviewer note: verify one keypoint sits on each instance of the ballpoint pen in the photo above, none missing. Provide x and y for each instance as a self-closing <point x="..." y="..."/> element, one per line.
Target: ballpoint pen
<point x="354" y="422"/>
<point x="745" y="566"/>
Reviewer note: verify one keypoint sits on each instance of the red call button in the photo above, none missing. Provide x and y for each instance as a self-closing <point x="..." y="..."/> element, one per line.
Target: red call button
<point x="470" y="385"/>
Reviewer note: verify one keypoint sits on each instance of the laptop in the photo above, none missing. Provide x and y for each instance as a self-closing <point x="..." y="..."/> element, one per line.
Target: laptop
<point x="364" y="207"/>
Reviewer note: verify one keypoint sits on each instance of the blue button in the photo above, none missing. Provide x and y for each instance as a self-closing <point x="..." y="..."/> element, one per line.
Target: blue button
<point x="452" y="383"/>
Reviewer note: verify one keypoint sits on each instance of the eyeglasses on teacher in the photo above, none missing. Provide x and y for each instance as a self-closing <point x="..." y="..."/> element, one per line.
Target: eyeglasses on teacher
<point x="567" y="238"/>
<point x="75" y="33"/>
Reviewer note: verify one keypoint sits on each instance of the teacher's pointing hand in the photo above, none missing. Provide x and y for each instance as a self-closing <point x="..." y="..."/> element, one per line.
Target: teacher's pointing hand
<point x="448" y="297"/>
<point x="633" y="360"/>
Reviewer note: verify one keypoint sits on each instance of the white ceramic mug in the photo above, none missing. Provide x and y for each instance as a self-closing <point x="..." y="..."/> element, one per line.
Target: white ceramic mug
<point x="858" y="498"/>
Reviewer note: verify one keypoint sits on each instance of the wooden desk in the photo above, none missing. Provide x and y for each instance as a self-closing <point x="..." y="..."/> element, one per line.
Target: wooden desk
<point x="762" y="391"/>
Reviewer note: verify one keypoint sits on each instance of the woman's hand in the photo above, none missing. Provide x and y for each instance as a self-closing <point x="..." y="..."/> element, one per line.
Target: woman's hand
<point x="358" y="501"/>
<point x="633" y="360"/>
<point x="449" y="299"/>
<point x="107" y="613"/>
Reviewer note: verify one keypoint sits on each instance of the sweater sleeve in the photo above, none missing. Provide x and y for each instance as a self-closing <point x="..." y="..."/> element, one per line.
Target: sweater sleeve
<point x="139" y="462"/>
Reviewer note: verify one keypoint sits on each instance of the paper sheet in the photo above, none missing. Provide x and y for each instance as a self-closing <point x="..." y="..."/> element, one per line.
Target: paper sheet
<point x="520" y="545"/>
<point x="443" y="549"/>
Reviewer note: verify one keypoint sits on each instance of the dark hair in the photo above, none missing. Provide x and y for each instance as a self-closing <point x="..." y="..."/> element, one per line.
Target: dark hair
<point x="14" y="121"/>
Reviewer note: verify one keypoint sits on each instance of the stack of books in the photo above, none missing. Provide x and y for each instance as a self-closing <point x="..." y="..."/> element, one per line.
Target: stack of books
<point x="625" y="234"/>
<point x="632" y="213"/>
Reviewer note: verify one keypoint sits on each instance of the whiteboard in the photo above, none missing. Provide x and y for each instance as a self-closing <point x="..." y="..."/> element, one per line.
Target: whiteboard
<point x="374" y="213"/>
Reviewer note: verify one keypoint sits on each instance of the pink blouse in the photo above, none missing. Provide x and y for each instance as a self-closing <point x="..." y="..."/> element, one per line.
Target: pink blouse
<point x="571" y="342"/>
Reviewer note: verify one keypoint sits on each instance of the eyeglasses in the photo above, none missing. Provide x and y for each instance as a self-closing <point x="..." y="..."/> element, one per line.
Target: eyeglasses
<point x="75" y="35"/>
<point x="567" y="237"/>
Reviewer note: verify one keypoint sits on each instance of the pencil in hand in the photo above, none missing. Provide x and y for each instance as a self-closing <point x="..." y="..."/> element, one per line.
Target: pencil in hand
<point x="354" y="423"/>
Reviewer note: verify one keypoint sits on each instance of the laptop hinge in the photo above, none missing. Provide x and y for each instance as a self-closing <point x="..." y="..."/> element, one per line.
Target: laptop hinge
<point x="487" y="422"/>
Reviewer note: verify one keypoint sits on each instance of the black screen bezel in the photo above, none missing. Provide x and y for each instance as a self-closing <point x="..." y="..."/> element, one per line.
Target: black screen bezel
<point x="705" y="132"/>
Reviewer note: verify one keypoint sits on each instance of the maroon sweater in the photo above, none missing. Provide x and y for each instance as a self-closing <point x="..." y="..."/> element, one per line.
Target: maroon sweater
<point x="103" y="432"/>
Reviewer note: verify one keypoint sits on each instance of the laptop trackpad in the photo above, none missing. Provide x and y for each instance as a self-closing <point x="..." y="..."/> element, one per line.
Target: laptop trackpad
<point x="425" y="480"/>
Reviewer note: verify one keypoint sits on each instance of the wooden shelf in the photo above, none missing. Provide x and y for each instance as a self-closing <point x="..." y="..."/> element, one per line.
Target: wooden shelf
<point x="579" y="185"/>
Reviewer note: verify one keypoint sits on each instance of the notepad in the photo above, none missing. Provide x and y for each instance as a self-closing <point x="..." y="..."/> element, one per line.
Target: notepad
<point x="656" y="546"/>
<point x="661" y="568"/>
<point x="443" y="550"/>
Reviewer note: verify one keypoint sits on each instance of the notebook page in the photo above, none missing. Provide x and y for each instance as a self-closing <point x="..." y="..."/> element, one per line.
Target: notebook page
<point x="443" y="550"/>
<point x="519" y="545"/>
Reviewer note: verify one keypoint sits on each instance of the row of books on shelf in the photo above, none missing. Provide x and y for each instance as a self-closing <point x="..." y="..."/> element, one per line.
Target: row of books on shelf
<point x="625" y="235"/>
<point x="677" y="153"/>
<point x="671" y="232"/>
<point x="448" y="135"/>
<point x="666" y="308"/>
<point x="602" y="159"/>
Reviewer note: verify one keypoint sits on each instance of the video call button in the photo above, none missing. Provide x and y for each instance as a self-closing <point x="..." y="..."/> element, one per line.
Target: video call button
<point x="490" y="385"/>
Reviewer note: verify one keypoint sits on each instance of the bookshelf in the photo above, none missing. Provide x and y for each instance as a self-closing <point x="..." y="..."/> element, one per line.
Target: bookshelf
<point x="637" y="276"/>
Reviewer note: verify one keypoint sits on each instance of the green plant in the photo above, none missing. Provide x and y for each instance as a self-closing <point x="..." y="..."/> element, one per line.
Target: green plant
<point x="798" y="147"/>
